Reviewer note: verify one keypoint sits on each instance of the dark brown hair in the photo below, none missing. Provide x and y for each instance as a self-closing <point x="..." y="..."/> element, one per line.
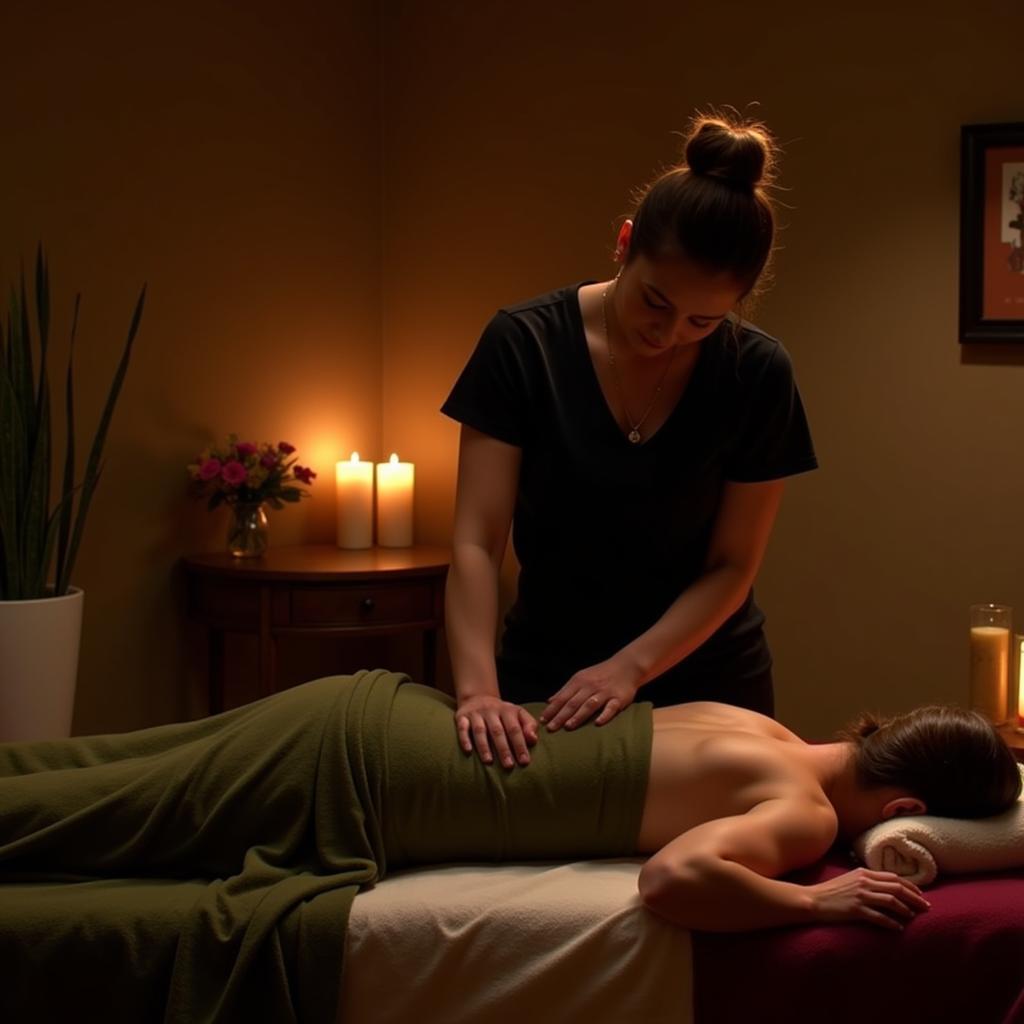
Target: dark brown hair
<point x="713" y="208"/>
<point x="952" y="759"/>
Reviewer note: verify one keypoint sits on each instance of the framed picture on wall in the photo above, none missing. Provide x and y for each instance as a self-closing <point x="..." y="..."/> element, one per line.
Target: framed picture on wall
<point x="992" y="232"/>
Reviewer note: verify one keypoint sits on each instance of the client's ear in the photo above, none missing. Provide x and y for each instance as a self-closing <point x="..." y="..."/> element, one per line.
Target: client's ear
<point x="903" y="805"/>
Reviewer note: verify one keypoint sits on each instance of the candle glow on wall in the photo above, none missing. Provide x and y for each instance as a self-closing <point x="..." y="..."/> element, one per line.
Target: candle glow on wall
<point x="354" y="496"/>
<point x="395" y="482"/>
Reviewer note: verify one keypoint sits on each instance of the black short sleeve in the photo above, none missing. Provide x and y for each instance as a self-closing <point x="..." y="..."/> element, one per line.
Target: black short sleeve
<point x="492" y="393"/>
<point x="608" y="533"/>
<point x="774" y="439"/>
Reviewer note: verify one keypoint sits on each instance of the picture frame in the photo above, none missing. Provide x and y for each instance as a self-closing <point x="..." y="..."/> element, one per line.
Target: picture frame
<point x="992" y="232"/>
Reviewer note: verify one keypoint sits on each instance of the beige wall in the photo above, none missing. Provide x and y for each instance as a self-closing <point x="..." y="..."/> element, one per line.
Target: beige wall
<point x="511" y="144"/>
<point x="326" y="222"/>
<point x="228" y="155"/>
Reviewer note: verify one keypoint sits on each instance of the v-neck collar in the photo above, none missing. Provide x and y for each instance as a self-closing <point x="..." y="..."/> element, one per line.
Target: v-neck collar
<point x="583" y="349"/>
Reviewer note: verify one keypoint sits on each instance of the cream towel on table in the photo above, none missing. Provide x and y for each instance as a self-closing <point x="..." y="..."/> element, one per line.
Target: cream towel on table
<point x="921" y="846"/>
<point x="514" y="944"/>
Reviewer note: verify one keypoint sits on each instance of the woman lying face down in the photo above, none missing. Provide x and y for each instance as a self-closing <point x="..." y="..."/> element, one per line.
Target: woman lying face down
<point x="760" y="802"/>
<point x="338" y="781"/>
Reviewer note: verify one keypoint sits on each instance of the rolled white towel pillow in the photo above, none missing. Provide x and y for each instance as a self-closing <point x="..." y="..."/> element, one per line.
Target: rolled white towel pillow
<point x="894" y="849"/>
<point x="919" y="847"/>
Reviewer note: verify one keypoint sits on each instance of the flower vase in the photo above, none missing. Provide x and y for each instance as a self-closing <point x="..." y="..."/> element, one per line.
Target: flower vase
<point x="247" y="531"/>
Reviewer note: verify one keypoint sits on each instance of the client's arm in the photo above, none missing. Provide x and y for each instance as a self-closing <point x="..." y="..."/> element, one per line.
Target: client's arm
<point x="722" y="875"/>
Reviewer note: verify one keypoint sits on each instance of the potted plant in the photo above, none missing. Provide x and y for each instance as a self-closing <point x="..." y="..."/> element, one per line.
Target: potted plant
<point x="40" y="611"/>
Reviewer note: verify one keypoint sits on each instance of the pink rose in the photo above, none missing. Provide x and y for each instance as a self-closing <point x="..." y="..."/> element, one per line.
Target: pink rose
<point x="234" y="473"/>
<point x="268" y="461"/>
<point x="209" y="469"/>
<point x="245" y="449"/>
<point x="304" y="474"/>
<point x="285" y="448"/>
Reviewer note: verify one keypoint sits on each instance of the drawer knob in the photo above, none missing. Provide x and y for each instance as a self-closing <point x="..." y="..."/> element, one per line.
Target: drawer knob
<point x="368" y="604"/>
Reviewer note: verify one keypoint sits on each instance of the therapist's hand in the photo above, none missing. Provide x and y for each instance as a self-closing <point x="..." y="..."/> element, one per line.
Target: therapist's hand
<point x="603" y="690"/>
<point x="486" y="723"/>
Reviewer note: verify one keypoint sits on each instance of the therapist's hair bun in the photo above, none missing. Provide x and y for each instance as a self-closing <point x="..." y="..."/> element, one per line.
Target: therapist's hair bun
<point x="736" y="153"/>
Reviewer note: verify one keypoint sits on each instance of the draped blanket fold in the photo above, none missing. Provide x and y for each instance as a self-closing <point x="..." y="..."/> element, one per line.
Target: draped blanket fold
<point x="254" y="830"/>
<point x="203" y="873"/>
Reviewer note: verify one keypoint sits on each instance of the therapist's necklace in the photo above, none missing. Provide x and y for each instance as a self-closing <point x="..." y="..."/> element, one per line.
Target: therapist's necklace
<point x="634" y="428"/>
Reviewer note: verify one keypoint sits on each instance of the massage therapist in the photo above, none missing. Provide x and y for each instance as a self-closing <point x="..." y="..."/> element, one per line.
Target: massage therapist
<point x="635" y="434"/>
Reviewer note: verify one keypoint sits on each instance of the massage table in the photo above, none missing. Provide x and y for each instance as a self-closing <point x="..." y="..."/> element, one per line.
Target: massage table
<point x="251" y="864"/>
<point x="571" y="942"/>
<point x="540" y="943"/>
<point x="473" y="944"/>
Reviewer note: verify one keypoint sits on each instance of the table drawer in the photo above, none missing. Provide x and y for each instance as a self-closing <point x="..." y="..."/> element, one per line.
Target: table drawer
<point x="362" y="606"/>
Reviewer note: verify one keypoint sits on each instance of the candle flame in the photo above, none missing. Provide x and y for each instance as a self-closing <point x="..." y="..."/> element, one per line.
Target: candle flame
<point x="355" y="457"/>
<point x="394" y="458"/>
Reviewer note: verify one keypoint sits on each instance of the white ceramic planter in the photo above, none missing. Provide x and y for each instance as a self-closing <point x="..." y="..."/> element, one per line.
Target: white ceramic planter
<point x="39" y="666"/>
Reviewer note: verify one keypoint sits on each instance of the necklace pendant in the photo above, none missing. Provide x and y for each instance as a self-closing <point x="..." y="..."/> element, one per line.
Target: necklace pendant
<point x="634" y="436"/>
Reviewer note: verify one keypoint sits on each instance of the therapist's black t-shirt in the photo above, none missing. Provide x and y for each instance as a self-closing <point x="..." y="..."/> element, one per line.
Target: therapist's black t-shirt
<point x="608" y="533"/>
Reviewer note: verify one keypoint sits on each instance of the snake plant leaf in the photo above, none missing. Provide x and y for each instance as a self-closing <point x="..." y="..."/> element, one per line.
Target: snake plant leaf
<point x="26" y="384"/>
<point x="68" y="483"/>
<point x="19" y="366"/>
<point x="29" y="529"/>
<point x="93" y="464"/>
<point x="35" y="513"/>
<point x="37" y="585"/>
<point x="36" y="509"/>
<point x="43" y="319"/>
<point x="12" y="442"/>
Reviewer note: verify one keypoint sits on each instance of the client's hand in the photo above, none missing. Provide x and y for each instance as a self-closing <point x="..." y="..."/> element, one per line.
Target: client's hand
<point x="875" y="897"/>
<point x="604" y="688"/>
<point x="484" y="722"/>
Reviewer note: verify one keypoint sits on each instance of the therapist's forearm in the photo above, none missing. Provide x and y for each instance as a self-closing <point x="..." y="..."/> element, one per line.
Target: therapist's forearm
<point x="471" y="615"/>
<point x="687" y="622"/>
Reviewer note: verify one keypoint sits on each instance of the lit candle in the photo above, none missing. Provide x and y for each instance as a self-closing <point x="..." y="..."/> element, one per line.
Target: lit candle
<point x="354" y="494"/>
<point x="394" y="503"/>
<point x="990" y="655"/>
<point x="1020" y="683"/>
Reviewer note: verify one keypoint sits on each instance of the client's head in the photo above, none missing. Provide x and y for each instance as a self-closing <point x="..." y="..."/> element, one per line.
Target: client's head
<point x="950" y="760"/>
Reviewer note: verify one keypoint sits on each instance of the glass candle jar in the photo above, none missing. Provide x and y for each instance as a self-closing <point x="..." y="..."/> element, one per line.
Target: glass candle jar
<point x="990" y="661"/>
<point x="1017" y="687"/>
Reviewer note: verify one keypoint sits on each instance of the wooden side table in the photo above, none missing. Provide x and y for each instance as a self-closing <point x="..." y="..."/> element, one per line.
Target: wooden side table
<point x="315" y="589"/>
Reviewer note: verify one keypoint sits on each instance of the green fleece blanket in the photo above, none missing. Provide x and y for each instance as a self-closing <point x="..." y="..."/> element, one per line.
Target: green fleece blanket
<point x="253" y="829"/>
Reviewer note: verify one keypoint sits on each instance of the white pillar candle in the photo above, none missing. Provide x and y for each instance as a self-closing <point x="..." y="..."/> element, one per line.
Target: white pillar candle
<point x="990" y="656"/>
<point x="354" y="493"/>
<point x="394" y="503"/>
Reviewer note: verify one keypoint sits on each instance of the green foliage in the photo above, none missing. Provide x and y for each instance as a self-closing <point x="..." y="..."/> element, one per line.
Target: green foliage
<point x="31" y="524"/>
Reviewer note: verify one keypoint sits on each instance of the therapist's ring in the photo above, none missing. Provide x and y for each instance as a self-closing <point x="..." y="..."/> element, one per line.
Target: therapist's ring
<point x="594" y="698"/>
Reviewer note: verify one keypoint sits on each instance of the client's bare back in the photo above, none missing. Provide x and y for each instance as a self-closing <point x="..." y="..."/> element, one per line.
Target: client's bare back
<point x="711" y="761"/>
